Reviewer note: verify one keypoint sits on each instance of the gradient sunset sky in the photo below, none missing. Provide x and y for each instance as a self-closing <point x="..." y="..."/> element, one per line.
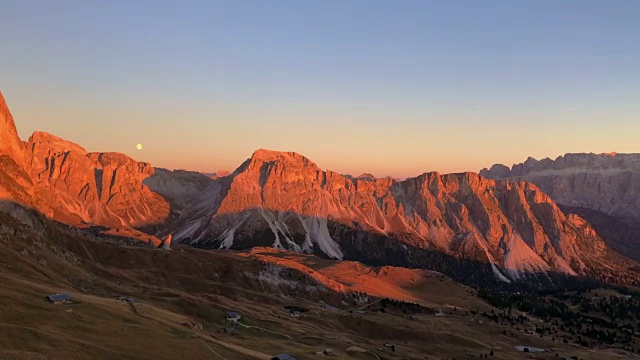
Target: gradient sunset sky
<point x="387" y="87"/>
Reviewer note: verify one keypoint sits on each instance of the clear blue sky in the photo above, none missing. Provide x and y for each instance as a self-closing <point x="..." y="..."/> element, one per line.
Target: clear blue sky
<point x="388" y="87"/>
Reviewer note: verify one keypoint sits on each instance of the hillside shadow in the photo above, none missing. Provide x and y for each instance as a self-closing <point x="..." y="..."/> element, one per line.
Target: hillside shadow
<point x="356" y="243"/>
<point x="621" y="234"/>
<point x="34" y="220"/>
<point x="181" y="208"/>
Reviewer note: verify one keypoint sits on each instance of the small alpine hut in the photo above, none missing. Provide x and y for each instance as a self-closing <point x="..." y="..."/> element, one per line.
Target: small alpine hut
<point x="233" y="316"/>
<point x="59" y="299"/>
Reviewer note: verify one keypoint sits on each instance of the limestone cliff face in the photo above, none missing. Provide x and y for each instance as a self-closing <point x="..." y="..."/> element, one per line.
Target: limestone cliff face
<point x="605" y="182"/>
<point x="63" y="181"/>
<point x="10" y="143"/>
<point x="100" y="188"/>
<point x="15" y="176"/>
<point x="286" y="201"/>
<point x="597" y="186"/>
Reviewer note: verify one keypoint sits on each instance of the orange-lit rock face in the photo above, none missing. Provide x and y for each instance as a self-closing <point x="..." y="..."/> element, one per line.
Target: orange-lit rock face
<point x="15" y="177"/>
<point x="10" y="143"/>
<point x="512" y="224"/>
<point x="291" y="182"/>
<point x="102" y="188"/>
<point x="63" y="181"/>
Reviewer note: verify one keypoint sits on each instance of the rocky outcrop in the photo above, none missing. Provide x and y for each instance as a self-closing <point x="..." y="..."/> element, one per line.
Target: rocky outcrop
<point x="166" y="243"/>
<point x="607" y="184"/>
<point x="16" y="183"/>
<point x="10" y="143"/>
<point x="366" y="176"/>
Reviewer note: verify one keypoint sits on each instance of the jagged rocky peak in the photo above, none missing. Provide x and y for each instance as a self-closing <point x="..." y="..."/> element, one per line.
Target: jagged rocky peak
<point x="166" y="243"/>
<point x="291" y="168"/>
<point x="497" y="171"/>
<point x="16" y="182"/>
<point x="10" y="143"/>
<point x="52" y="143"/>
<point x="473" y="180"/>
<point x="366" y="176"/>
<point x="275" y="155"/>
<point x="8" y="125"/>
<point x="46" y="144"/>
<point x="261" y="156"/>
<point x="276" y="167"/>
<point x="531" y="160"/>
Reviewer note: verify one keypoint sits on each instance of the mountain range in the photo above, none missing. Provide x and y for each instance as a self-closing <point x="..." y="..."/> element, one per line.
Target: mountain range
<point x="602" y="188"/>
<point x="474" y="228"/>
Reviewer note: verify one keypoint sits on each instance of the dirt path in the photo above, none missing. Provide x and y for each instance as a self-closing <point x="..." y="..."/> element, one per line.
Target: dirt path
<point x="365" y="305"/>
<point x="86" y="251"/>
<point x="267" y="330"/>
<point x="339" y="340"/>
<point x="213" y="351"/>
<point x="288" y="337"/>
<point x="204" y="338"/>
<point x="133" y="308"/>
<point x="242" y="350"/>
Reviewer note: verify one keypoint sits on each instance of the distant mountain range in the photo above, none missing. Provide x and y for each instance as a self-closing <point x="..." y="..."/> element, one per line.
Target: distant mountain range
<point x="470" y="227"/>
<point x="602" y="188"/>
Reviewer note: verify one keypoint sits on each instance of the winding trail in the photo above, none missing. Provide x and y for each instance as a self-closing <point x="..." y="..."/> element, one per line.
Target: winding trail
<point x="213" y="351"/>
<point x="241" y="349"/>
<point x="267" y="330"/>
<point x="133" y="308"/>
<point x="235" y="348"/>
<point x="365" y="305"/>
<point x="339" y="340"/>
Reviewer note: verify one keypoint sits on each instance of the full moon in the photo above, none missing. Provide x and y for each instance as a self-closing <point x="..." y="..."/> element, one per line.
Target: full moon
<point x="139" y="146"/>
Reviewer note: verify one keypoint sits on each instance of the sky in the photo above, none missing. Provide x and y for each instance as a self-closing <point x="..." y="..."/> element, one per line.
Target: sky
<point x="386" y="87"/>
